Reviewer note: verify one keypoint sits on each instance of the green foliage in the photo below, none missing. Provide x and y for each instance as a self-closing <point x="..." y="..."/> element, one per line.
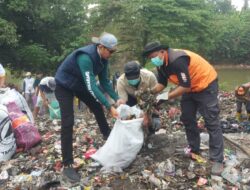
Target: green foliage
<point x="8" y="35"/>
<point x="180" y="24"/>
<point x="232" y="39"/>
<point x="49" y="25"/>
<point x="224" y="86"/>
<point x="35" y="57"/>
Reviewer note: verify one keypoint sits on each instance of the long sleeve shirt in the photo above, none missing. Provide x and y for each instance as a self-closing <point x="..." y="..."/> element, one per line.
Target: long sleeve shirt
<point x="86" y="67"/>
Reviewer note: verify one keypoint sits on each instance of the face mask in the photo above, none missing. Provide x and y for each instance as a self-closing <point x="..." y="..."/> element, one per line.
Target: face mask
<point x="134" y="82"/>
<point x="157" y="61"/>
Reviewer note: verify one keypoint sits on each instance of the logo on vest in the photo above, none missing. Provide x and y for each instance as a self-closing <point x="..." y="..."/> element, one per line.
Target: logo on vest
<point x="184" y="77"/>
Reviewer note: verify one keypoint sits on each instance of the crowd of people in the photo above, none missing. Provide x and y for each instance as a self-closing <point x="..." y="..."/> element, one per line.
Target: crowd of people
<point x="195" y="78"/>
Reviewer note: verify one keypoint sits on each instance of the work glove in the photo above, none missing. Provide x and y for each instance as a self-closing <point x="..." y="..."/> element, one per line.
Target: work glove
<point x="163" y="96"/>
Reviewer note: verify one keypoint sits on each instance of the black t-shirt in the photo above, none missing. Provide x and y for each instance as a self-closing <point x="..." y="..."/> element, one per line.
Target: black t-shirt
<point x="179" y="68"/>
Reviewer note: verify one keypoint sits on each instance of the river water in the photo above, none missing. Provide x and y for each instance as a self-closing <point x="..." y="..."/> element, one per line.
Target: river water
<point x="229" y="78"/>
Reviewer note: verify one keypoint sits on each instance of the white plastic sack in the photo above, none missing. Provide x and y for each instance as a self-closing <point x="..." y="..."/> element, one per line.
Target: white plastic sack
<point x="7" y="139"/>
<point x="124" y="142"/>
<point x="8" y="95"/>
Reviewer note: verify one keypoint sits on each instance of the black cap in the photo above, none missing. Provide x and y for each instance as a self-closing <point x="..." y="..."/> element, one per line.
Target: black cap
<point x="132" y="70"/>
<point x="152" y="47"/>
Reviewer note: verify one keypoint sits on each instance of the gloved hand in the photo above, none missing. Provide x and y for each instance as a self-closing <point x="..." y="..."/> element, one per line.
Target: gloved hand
<point x="156" y="123"/>
<point x="149" y="90"/>
<point x="163" y="96"/>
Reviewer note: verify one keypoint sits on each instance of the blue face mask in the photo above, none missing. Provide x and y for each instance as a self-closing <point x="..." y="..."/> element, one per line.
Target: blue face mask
<point x="157" y="61"/>
<point x="134" y="82"/>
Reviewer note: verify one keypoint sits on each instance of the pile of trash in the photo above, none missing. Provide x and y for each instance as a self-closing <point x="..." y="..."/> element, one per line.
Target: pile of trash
<point x="162" y="163"/>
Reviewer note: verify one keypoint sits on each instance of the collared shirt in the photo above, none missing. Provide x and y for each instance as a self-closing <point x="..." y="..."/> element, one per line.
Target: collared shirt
<point x="28" y="85"/>
<point x="148" y="80"/>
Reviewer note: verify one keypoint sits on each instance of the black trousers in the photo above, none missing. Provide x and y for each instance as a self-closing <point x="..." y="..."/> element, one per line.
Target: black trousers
<point x="65" y="98"/>
<point x="239" y="104"/>
<point x="206" y="103"/>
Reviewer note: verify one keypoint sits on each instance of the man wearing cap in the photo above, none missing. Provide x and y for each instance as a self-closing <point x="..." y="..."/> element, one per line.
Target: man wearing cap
<point x="2" y="76"/>
<point x="76" y="77"/>
<point x="28" y="89"/>
<point x="46" y="94"/>
<point x="197" y="83"/>
<point x="134" y="79"/>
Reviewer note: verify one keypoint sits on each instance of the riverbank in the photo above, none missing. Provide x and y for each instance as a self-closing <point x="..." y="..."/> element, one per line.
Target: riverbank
<point x="231" y="66"/>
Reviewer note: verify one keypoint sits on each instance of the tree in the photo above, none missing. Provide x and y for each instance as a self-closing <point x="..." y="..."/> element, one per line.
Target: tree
<point x="183" y="24"/>
<point x="49" y="25"/>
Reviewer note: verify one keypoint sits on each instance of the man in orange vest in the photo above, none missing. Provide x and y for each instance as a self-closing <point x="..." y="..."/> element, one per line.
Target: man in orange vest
<point x="197" y="83"/>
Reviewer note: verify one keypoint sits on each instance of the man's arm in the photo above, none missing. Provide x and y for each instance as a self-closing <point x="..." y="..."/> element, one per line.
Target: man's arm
<point x="44" y="99"/>
<point x="181" y="69"/>
<point x="86" y="68"/>
<point x="105" y="83"/>
<point x="152" y="81"/>
<point x="121" y="90"/>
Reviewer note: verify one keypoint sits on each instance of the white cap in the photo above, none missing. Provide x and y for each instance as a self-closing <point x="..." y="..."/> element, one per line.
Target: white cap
<point x="28" y="74"/>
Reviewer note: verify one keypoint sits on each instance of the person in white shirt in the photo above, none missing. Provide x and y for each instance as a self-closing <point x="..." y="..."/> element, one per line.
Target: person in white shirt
<point x="46" y="94"/>
<point x="2" y="76"/>
<point x="28" y="89"/>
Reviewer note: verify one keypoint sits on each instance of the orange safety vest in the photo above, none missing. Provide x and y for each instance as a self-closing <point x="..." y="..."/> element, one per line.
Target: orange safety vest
<point x="200" y="71"/>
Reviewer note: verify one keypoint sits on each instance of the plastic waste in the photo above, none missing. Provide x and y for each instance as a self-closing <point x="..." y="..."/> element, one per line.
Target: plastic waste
<point x="54" y="110"/>
<point x="245" y="175"/>
<point x="154" y="180"/>
<point x="4" y="175"/>
<point x="198" y="158"/>
<point x="204" y="137"/>
<point x="232" y="161"/>
<point x="191" y="166"/>
<point x="166" y="168"/>
<point x="201" y="181"/>
<point x="26" y="133"/>
<point x="231" y="174"/>
<point x="170" y="167"/>
<point x="89" y="153"/>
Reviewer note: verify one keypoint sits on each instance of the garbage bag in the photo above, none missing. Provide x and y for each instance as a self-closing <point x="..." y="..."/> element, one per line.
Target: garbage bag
<point x="124" y="142"/>
<point x="7" y="139"/>
<point x="25" y="132"/>
<point x="54" y="110"/>
<point x="11" y="95"/>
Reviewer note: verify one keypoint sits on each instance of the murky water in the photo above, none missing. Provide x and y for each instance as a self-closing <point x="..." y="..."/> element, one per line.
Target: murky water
<point x="231" y="77"/>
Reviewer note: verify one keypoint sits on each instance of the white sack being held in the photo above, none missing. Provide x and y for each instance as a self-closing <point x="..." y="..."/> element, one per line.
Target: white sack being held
<point x="124" y="142"/>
